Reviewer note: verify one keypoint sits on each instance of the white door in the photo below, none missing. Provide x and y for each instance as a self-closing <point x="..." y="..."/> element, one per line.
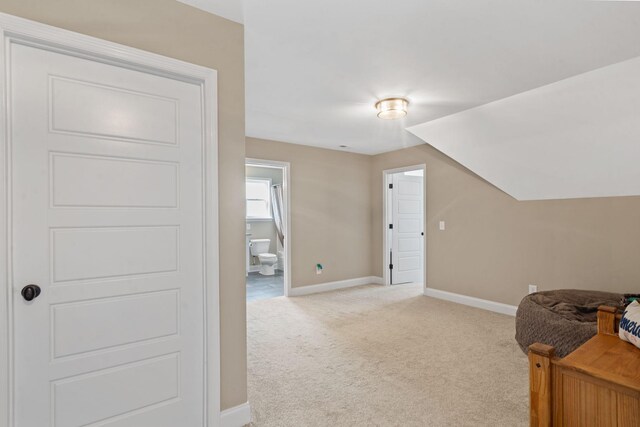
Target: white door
<point x="107" y="219"/>
<point x="407" y="254"/>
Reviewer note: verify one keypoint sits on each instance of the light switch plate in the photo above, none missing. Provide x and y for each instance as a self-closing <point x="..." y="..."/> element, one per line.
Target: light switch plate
<point x="442" y="226"/>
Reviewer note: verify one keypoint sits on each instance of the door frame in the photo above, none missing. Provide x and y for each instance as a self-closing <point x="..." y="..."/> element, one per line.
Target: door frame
<point x="22" y="31"/>
<point x="286" y="189"/>
<point x="386" y="244"/>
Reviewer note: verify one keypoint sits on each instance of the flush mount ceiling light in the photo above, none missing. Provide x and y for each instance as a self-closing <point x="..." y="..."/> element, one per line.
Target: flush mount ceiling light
<point x="392" y="108"/>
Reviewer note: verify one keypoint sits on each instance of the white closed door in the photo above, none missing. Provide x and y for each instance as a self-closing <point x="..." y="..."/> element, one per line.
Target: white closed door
<point x="107" y="220"/>
<point x="407" y="252"/>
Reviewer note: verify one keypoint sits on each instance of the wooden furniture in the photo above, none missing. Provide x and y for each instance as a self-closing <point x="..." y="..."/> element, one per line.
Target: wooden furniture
<point x="596" y="385"/>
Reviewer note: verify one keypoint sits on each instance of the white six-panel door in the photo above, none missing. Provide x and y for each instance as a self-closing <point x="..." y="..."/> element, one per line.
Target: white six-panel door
<point x="407" y="233"/>
<point x="107" y="219"/>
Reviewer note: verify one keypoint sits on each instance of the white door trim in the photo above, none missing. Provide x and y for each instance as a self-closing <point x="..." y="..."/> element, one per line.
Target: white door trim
<point x="286" y="187"/>
<point x="17" y="30"/>
<point x="386" y="244"/>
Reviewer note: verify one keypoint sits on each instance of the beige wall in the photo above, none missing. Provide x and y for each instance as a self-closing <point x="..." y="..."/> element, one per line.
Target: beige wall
<point x="330" y="210"/>
<point x="494" y="246"/>
<point x="179" y="31"/>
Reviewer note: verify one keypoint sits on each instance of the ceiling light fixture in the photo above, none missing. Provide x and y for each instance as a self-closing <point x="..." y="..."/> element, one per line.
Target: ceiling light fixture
<point x="392" y="108"/>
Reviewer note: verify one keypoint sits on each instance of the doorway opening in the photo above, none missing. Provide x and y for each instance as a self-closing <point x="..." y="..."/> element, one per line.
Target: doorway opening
<point x="268" y="226"/>
<point x="404" y="240"/>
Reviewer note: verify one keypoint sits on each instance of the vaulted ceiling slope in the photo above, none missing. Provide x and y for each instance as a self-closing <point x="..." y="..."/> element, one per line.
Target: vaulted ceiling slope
<point x="578" y="137"/>
<point x="229" y="9"/>
<point x="314" y="69"/>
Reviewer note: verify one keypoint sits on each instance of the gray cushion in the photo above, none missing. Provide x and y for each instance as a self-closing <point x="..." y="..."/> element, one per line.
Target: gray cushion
<point x="564" y="318"/>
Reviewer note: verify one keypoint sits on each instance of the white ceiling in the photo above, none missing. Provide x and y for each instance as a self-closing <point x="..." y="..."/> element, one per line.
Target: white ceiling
<point x="229" y="9"/>
<point x="541" y="99"/>
<point x="314" y="69"/>
<point x="579" y="137"/>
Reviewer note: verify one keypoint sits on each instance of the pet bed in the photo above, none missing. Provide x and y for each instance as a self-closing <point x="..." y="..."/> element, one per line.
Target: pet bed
<point x="564" y="319"/>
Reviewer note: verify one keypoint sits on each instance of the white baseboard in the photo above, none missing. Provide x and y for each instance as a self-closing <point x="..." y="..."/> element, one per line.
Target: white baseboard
<point x="332" y="286"/>
<point x="498" y="307"/>
<point x="238" y="416"/>
<point x="374" y="280"/>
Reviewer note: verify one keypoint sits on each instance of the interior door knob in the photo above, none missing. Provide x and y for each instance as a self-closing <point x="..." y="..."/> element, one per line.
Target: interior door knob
<point x="30" y="292"/>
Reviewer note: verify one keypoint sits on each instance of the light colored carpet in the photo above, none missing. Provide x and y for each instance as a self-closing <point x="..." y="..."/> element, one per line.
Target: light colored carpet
<point x="383" y="356"/>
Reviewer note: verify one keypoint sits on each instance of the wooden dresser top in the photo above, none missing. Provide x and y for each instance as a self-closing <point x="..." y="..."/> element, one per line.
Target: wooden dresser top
<point x="609" y="358"/>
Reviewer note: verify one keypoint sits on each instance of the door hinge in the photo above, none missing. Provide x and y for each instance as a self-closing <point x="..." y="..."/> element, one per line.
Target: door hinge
<point x="390" y="266"/>
<point x="390" y="186"/>
<point x="390" y="226"/>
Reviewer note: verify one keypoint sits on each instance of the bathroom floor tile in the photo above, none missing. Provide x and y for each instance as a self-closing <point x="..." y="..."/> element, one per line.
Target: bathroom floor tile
<point x="264" y="287"/>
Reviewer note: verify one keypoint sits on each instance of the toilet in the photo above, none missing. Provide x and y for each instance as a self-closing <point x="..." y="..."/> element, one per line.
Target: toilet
<point x="260" y="248"/>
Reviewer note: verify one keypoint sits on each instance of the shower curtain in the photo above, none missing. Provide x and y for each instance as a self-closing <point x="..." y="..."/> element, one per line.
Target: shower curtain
<point x="276" y="207"/>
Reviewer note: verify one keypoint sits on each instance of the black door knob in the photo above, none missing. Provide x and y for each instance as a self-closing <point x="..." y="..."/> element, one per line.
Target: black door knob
<point x="30" y="292"/>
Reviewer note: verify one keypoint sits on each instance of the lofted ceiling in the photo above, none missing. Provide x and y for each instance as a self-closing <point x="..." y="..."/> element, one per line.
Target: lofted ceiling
<point x="229" y="9"/>
<point x="314" y="69"/>
<point x="579" y="137"/>
<point x="537" y="97"/>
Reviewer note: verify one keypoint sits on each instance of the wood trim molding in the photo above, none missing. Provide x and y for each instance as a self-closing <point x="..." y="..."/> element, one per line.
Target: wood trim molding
<point x="540" y="385"/>
<point x="607" y="320"/>
<point x="542" y="350"/>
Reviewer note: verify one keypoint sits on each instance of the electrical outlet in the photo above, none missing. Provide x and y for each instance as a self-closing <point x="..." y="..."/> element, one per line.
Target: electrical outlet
<point x="319" y="268"/>
<point x="533" y="289"/>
